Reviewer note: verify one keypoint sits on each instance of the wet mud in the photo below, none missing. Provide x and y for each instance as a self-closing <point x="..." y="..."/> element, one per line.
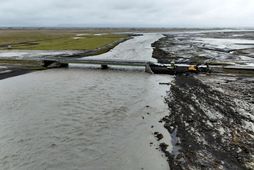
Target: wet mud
<point x="205" y="47"/>
<point x="211" y="122"/>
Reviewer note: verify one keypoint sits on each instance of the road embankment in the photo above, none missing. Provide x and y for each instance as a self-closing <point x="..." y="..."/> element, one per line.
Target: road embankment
<point x="14" y="67"/>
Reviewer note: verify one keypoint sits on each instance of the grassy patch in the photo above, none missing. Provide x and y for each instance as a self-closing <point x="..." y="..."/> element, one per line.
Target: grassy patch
<point x="29" y="64"/>
<point x="55" y="40"/>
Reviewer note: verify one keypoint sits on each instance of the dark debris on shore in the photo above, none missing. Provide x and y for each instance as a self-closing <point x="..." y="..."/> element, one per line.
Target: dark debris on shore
<point x="211" y="127"/>
<point x="198" y="47"/>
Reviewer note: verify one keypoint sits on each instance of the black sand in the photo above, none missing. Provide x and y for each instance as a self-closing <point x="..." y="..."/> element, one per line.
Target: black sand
<point x="13" y="72"/>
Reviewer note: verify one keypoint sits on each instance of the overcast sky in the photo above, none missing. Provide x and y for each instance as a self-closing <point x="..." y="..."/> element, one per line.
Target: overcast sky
<point x="128" y="13"/>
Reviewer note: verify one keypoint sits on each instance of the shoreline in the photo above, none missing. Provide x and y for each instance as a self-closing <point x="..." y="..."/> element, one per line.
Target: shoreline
<point x="211" y="116"/>
<point x="221" y="48"/>
<point x="211" y="122"/>
<point x="16" y="67"/>
<point x="13" y="54"/>
<point x="13" y="72"/>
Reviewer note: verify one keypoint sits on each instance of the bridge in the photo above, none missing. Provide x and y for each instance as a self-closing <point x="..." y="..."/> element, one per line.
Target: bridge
<point x="118" y="62"/>
<point x="104" y="63"/>
<point x="64" y="62"/>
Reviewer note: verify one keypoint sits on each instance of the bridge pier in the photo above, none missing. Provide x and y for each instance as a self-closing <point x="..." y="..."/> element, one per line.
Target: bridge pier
<point x="104" y="66"/>
<point x="54" y="64"/>
<point x="148" y="69"/>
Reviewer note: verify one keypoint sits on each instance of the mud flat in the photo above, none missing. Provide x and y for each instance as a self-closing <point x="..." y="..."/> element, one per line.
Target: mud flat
<point x="211" y="122"/>
<point x="206" y="47"/>
<point x="211" y="117"/>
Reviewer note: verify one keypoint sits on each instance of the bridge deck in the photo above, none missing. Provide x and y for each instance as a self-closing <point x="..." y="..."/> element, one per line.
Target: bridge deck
<point x="104" y="62"/>
<point x="121" y="62"/>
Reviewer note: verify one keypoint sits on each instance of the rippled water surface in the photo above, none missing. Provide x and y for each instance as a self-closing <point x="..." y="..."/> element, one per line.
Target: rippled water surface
<point x="84" y="118"/>
<point x="138" y="48"/>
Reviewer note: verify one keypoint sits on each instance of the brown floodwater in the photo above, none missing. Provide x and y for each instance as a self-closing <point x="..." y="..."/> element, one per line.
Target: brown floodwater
<point x="85" y="118"/>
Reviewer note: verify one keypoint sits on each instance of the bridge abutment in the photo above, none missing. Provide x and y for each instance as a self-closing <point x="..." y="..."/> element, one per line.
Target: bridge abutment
<point x="148" y="68"/>
<point x="104" y="66"/>
<point x="54" y="64"/>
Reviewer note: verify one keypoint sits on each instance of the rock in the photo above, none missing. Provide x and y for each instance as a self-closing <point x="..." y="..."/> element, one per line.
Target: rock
<point x="158" y="135"/>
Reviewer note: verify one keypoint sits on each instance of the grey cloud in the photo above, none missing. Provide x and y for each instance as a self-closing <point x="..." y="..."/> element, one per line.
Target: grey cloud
<point x="171" y="13"/>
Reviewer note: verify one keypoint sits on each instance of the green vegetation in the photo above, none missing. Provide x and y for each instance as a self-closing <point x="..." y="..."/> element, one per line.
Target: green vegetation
<point x="55" y="40"/>
<point x="28" y="64"/>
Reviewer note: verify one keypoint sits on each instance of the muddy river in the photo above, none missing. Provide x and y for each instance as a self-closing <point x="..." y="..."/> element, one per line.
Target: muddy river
<point x="84" y="118"/>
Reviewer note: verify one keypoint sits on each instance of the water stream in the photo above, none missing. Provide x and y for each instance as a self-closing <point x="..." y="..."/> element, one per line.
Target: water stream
<point x="85" y="118"/>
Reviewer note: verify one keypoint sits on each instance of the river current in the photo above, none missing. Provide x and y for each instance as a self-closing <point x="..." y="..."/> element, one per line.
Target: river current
<point x="85" y="118"/>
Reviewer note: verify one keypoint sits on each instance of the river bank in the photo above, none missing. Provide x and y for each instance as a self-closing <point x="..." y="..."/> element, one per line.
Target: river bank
<point x="16" y="67"/>
<point x="8" y="72"/>
<point x="211" y="117"/>
<point x="211" y="121"/>
<point x="19" y="54"/>
<point x="17" y="61"/>
<point x="199" y="47"/>
<point x="25" y="43"/>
